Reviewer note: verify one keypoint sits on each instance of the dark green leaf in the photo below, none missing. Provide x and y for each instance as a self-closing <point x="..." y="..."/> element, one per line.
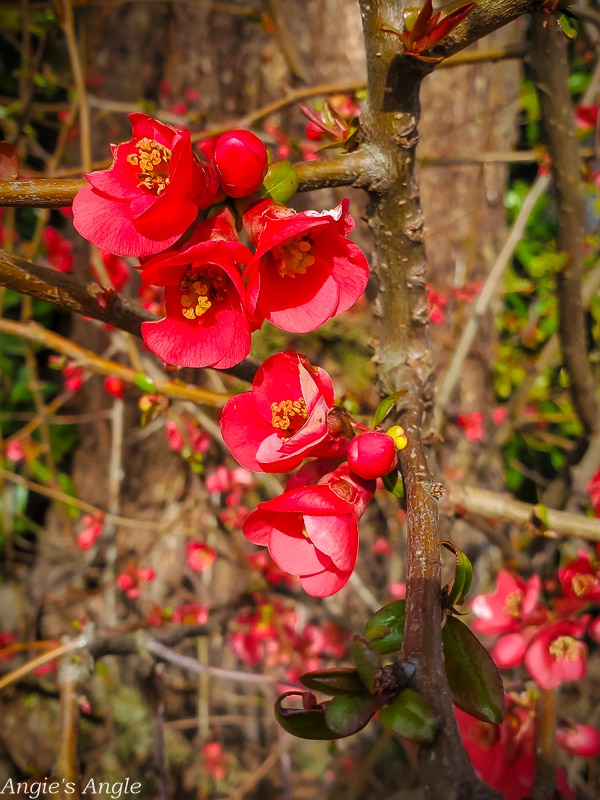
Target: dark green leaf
<point x="457" y="591"/>
<point x="366" y="661"/>
<point x="350" y="713"/>
<point x="385" y="630"/>
<point x="340" y="680"/>
<point x="410" y="716"/>
<point x="473" y="677"/>
<point x="305" y="723"/>
<point x="394" y="483"/>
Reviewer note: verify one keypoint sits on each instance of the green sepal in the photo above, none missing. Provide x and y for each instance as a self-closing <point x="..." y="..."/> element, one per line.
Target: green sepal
<point x="340" y="680"/>
<point x="455" y="593"/>
<point x="393" y="483"/>
<point x="384" y="632"/>
<point x="410" y="716"/>
<point x="384" y="408"/>
<point x="305" y="723"/>
<point x="366" y="661"/>
<point x="473" y="677"/>
<point x="350" y="713"/>
<point x="280" y="183"/>
<point x="144" y="383"/>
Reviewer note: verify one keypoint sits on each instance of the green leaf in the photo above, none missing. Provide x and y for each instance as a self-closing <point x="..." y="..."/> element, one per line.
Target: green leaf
<point x="385" y="630"/>
<point x="306" y="723"/>
<point x="384" y="408"/>
<point x="456" y="592"/>
<point x="350" y="713"/>
<point x="280" y="183"/>
<point x="410" y="716"/>
<point x="566" y="24"/>
<point x="473" y="677"/>
<point x="144" y="383"/>
<point x="366" y="661"/>
<point x="340" y="680"/>
<point x="393" y="483"/>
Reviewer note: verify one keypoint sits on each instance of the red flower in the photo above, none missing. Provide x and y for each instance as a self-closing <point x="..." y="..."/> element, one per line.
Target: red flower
<point x="312" y="531"/>
<point x="514" y="604"/>
<point x="305" y="270"/>
<point x="205" y="323"/>
<point x="241" y="162"/>
<point x="579" y="740"/>
<point x="149" y="196"/>
<point x="200" y="556"/>
<point x="556" y="653"/>
<point x="284" y="418"/>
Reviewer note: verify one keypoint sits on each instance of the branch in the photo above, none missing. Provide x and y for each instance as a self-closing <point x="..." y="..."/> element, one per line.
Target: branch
<point x="491" y="505"/>
<point x="551" y="73"/>
<point x="390" y="120"/>
<point x="68" y="293"/>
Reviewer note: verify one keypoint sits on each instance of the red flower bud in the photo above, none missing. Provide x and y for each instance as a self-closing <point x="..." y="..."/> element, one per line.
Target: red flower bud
<point x="241" y="162"/>
<point x="372" y="455"/>
<point x="114" y="386"/>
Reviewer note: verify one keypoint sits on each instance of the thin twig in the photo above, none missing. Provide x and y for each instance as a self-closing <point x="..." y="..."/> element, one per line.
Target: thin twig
<point x="452" y="376"/>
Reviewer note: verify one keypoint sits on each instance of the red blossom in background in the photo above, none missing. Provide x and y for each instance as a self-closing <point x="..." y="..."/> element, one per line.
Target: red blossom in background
<point x="117" y="270"/>
<point x="593" y="489"/>
<point x="284" y="418"/>
<point x="579" y="740"/>
<point x="557" y="654"/>
<point x="205" y="323"/>
<point x="504" y="755"/>
<point x="200" y="556"/>
<point x="59" y="251"/>
<point x="149" y="196"/>
<point x="305" y="270"/>
<point x="191" y="614"/>
<point x="312" y="531"/>
<point x="92" y="528"/>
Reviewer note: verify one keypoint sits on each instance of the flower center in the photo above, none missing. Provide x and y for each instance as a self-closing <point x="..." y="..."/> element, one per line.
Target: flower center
<point x="293" y="257"/>
<point x="152" y="162"/>
<point x="582" y="584"/>
<point x="565" y="648"/>
<point x="512" y="605"/>
<point x="201" y="289"/>
<point x="283" y="413"/>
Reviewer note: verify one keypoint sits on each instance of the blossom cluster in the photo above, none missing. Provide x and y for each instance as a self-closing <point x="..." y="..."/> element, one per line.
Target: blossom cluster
<point x="180" y="213"/>
<point x="542" y="624"/>
<point x="289" y="415"/>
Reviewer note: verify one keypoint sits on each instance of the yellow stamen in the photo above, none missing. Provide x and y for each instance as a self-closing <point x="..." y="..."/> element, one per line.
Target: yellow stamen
<point x="293" y="257"/>
<point x="565" y="648"/>
<point x="512" y="604"/>
<point x="200" y="292"/>
<point x="152" y="160"/>
<point x="282" y="413"/>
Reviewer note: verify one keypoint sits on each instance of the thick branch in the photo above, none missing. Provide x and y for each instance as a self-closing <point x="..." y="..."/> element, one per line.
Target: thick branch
<point x="551" y="70"/>
<point x="404" y="356"/>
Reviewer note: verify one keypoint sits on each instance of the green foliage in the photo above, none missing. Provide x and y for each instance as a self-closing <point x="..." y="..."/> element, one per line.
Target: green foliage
<point x="409" y="716"/>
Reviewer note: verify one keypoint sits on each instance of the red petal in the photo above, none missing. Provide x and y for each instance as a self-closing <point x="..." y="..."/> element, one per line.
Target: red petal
<point x="324" y="584"/>
<point x="337" y="537"/>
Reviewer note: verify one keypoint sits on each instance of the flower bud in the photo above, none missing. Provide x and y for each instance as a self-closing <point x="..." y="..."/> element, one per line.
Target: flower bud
<point x="241" y="161"/>
<point x="372" y="455"/>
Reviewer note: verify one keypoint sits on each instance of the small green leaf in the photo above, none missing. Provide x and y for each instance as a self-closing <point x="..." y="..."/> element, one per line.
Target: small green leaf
<point x="456" y="592"/>
<point x="280" y="183"/>
<point x="473" y="677"/>
<point x="350" y="713"/>
<point x="366" y="661"/>
<point x="305" y="723"/>
<point x="410" y="716"/>
<point x="566" y="24"/>
<point x="394" y="483"/>
<point x="340" y="680"/>
<point x="144" y="383"/>
<point x="385" y="630"/>
<point x="384" y="408"/>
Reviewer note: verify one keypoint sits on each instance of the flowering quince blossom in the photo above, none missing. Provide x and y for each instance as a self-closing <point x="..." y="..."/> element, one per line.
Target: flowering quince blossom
<point x="579" y="740"/>
<point x="285" y="417"/>
<point x="305" y="270"/>
<point x="241" y="161"/>
<point x="557" y="654"/>
<point x="312" y="531"/>
<point x="205" y="323"/>
<point x="149" y="196"/>
<point x="372" y="454"/>
<point x="504" y="755"/>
